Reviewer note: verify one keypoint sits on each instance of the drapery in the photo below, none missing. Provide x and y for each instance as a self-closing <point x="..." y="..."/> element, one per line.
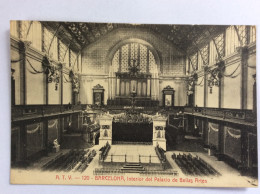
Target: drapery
<point x="232" y="143"/>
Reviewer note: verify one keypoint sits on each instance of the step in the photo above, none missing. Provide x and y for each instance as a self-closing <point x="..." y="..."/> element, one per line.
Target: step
<point x="130" y="170"/>
<point x="132" y="164"/>
<point x="133" y="171"/>
<point x="130" y="167"/>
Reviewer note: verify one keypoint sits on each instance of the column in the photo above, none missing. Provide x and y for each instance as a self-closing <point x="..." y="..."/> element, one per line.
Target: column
<point x="105" y="120"/>
<point x="205" y="88"/>
<point x="160" y="122"/>
<point x="244" y="77"/>
<point x="157" y="88"/>
<point x="254" y="95"/>
<point x="23" y="46"/>
<point x="109" y="84"/>
<point x="61" y="85"/>
<point x="117" y="86"/>
<point x="221" y="92"/>
<point x="113" y="86"/>
<point x="153" y="87"/>
<point x="148" y="87"/>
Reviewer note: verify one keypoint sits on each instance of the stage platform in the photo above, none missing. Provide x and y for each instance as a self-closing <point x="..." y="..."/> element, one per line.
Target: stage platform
<point x="132" y="154"/>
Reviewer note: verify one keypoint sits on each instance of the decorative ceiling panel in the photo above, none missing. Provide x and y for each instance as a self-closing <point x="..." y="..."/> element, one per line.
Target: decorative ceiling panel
<point x="186" y="38"/>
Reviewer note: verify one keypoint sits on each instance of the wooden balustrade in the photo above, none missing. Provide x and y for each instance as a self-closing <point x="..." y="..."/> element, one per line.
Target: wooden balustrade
<point x="237" y="114"/>
<point x="19" y="112"/>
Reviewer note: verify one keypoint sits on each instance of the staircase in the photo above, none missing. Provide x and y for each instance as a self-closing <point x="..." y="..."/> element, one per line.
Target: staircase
<point x="132" y="168"/>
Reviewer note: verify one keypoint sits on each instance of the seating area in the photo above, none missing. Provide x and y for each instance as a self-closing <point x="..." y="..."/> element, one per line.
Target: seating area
<point x="144" y="172"/>
<point x="194" y="166"/>
<point x="105" y="171"/>
<point x="74" y="160"/>
<point x="83" y="164"/>
<point x="160" y="153"/>
<point x="159" y="172"/>
<point x="104" y="151"/>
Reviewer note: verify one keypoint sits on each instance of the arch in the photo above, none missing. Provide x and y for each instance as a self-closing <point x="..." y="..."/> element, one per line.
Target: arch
<point x="114" y="49"/>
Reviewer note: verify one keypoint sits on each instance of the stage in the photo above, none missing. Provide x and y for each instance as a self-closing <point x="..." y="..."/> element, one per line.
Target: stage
<point x="132" y="154"/>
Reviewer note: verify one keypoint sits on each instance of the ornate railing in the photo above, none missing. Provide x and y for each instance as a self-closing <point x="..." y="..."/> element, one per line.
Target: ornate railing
<point x="27" y="111"/>
<point x="238" y="114"/>
<point x="144" y="102"/>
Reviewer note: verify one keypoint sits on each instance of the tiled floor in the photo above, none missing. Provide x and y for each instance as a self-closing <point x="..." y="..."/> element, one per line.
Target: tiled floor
<point x="74" y="141"/>
<point x="229" y="176"/>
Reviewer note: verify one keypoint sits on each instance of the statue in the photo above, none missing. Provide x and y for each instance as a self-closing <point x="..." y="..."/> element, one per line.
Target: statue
<point x="56" y="146"/>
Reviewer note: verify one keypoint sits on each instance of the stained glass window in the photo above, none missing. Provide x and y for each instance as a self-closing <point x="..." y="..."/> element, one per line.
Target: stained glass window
<point x="232" y="41"/>
<point x="252" y="34"/>
<point x="24" y="27"/>
<point x="219" y="40"/>
<point x="194" y="61"/>
<point x="124" y="58"/>
<point x="115" y="61"/>
<point x="132" y="53"/>
<point x="62" y="50"/>
<point x="152" y="63"/>
<point x="73" y="57"/>
<point x="204" y="52"/>
<point x="242" y="34"/>
<point x="143" y="58"/>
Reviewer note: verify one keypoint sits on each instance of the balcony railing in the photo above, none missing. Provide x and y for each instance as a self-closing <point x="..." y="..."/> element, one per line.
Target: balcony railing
<point x="238" y="114"/>
<point x="29" y="111"/>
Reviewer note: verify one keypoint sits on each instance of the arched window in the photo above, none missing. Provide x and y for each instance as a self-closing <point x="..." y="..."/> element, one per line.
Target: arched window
<point x="131" y="53"/>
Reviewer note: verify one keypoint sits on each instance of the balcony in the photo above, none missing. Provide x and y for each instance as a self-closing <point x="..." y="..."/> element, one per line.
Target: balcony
<point x="26" y="112"/>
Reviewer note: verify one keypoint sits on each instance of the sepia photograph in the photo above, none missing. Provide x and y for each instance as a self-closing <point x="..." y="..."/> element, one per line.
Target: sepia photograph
<point x="133" y="104"/>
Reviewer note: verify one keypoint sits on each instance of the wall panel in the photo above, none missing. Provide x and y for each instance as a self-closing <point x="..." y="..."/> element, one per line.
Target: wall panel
<point x="54" y="93"/>
<point x="35" y="141"/>
<point x="67" y="90"/>
<point x="35" y="83"/>
<point x="232" y="143"/>
<point x="232" y="87"/>
<point x="250" y="83"/>
<point x="199" y="92"/>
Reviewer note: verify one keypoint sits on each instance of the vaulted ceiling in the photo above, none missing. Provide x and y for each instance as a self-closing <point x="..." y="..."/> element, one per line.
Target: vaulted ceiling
<point x="186" y="38"/>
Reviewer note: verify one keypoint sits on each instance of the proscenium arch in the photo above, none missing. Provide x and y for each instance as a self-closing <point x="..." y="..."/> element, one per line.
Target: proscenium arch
<point x="114" y="49"/>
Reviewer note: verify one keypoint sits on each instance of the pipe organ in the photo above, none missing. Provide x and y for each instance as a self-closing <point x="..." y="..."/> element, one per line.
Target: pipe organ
<point x="122" y="85"/>
<point x="133" y="70"/>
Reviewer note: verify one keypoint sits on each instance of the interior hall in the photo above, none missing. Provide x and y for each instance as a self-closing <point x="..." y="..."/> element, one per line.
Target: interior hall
<point x="102" y="98"/>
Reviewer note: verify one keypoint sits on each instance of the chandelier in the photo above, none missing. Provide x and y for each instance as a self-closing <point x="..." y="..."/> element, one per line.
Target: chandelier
<point x="215" y="75"/>
<point x="52" y="71"/>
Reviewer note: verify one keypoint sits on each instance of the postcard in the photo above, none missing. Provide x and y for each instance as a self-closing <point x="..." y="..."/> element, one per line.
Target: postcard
<point x="133" y="104"/>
